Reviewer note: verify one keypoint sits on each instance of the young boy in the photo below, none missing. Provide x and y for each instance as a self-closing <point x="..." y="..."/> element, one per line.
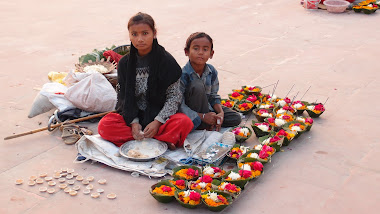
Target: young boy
<point x="200" y="85"/>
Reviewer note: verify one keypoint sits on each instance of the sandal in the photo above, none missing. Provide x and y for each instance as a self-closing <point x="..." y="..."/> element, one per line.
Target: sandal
<point x="71" y="133"/>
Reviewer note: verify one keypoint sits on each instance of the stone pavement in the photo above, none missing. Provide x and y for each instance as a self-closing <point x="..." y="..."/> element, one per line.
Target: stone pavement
<point x="332" y="169"/>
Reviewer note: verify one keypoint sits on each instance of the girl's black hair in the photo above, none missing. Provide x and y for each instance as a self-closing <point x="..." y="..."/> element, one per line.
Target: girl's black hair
<point x="142" y="18"/>
<point x="197" y="35"/>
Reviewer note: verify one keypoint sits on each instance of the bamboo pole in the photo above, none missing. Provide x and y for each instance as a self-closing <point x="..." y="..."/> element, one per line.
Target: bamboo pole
<point x="58" y="124"/>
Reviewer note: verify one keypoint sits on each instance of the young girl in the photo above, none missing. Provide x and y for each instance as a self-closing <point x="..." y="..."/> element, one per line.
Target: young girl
<point x="200" y="85"/>
<point x="148" y="92"/>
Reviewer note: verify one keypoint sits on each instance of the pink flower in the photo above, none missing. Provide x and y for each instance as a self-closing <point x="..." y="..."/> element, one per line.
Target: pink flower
<point x="271" y="120"/>
<point x="190" y="171"/>
<point x="262" y="111"/>
<point x="286" y="117"/>
<point x="263" y="154"/>
<point x="287" y="100"/>
<point x="180" y="182"/>
<point x="221" y="198"/>
<point x="244" y="105"/>
<point x="309" y="120"/>
<point x="235" y="94"/>
<point x="195" y="196"/>
<point x="282" y="133"/>
<point x="257" y="166"/>
<point x="288" y="108"/>
<point x="319" y="107"/>
<point x="245" y="173"/>
<point x="206" y="179"/>
<point x="216" y="169"/>
<point x="267" y="149"/>
<point x="252" y="98"/>
<point x="166" y="189"/>
<point x="274" y="139"/>
<point x="230" y="187"/>
<point x="297" y="124"/>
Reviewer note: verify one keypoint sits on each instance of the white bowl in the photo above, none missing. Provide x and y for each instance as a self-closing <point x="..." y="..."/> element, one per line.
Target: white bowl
<point x="336" y="6"/>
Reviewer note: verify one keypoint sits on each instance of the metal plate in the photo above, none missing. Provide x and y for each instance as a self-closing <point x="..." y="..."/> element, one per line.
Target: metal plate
<point x="149" y="149"/>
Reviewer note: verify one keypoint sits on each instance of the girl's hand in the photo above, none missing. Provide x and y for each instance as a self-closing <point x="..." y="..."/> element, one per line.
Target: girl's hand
<point x="136" y="131"/>
<point x="152" y="128"/>
<point x="209" y="118"/>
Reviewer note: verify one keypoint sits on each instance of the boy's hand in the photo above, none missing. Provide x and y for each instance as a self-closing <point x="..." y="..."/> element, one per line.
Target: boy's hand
<point x="209" y="118"/>
<point x="219" y="121"/>
<point x="152" y="128"/>
<point x="136" y="131"/>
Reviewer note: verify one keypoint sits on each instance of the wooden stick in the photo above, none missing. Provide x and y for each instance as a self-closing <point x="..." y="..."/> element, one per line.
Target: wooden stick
<point x="58" y="124"/>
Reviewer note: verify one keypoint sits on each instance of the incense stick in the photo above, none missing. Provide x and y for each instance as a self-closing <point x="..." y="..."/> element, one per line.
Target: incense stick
<point x="274" y="88"/>
<point x="326" y="101"/>
<point x="269" y="85"/>
<point x="289" y="90"/>
<point x="305" y="92"/>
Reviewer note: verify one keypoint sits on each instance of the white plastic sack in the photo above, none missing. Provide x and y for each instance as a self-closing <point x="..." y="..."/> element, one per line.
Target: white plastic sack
<point x="94" y="94"/>
<point x="41" y="104"/>
<point x="55" y="93"/>
<point x="74" y="77"/>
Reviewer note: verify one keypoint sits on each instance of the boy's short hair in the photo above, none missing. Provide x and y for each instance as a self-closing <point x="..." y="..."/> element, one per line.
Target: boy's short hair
<point x="197" y="35"/>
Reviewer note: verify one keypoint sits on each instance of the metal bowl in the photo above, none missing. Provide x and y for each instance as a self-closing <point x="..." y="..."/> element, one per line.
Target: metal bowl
<point x="143" y="150"/>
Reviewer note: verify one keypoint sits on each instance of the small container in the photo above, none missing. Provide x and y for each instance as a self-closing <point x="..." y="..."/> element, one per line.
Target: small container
<point x="336" y="6"/>
<point x="48" y="178"/>
<point x="43" y="189"/>
<point x="51" y="183"/>
<point x="70" y="182"/>
<point x="111" y="196"/>
<point x="42" y="175"/>
<point x="61" y="180"/>
<point x="67" y="190"/>
<point x="95" y="195"/>
<point x="51" y="190"/>
<point x="79" y="178"/>
<point x="39" y="180"/>
<point x="19" y="181"/>
<point x="32" y="178"/>
<point x="76" y="188"/>
<point x="85" y="182"/>
<point x="73" y="193"/>
<point x="31" y="183"/>
<point x="90" y="178"/>
<point x="62" y="186"/>
<point x="90" y="187"/>
<point x="102" y="181"/>
<point x="86" y="191"/>
<point x="311" y="4"/>
<point x="100" y="190"/>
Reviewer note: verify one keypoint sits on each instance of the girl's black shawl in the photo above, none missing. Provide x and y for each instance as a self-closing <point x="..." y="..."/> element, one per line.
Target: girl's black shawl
<point x="163" y="71"/>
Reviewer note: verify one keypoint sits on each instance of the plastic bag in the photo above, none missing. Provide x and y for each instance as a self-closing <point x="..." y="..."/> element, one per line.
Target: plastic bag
<point x="55" y="93"/>
<point x="94" y="94"/>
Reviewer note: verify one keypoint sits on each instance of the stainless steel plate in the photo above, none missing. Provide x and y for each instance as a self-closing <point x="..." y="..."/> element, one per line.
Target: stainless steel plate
<point x="144" y="150"/>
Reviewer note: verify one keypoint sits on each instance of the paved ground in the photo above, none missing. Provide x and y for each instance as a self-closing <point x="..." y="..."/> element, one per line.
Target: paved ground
<point x="332" y="169"/>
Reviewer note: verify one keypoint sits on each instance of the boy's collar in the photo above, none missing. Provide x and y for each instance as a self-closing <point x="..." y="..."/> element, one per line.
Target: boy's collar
<point x="190" y="68"/>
